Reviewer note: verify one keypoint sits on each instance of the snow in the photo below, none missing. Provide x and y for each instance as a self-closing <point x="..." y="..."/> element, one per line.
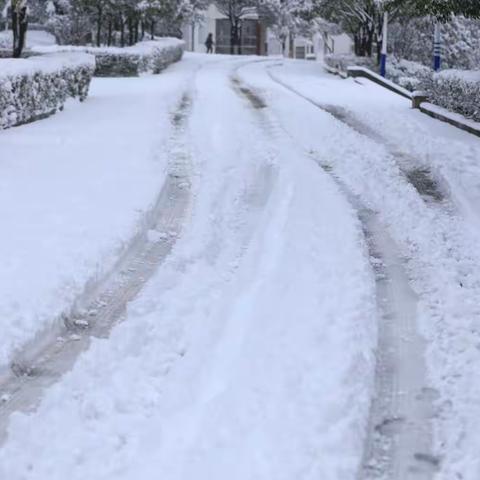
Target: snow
<point x="141" y="48"/>
<point x="451" y="116"/>
<point x="143" y="57"/>
<point x="34" y="38"/>
<point x="380" y="140"/>
<point x="51" y="63"/>
<point x="379" y="79"/>
<point x="249" y="355"/>
<point x="73" y="190"/>
<point x="465" y="75"/>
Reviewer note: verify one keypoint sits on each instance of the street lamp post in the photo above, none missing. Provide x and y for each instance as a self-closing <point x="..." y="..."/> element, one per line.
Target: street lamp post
<point x="383" y="57"/>
<point x="437" y="48"/>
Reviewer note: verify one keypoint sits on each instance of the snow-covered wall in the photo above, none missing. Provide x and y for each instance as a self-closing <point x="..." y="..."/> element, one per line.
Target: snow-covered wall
<point x="39" y="86"/>
<point x="152" y="56"/>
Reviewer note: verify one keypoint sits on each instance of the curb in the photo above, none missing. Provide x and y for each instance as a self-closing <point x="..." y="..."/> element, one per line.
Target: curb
<point x="419" y="101"/>
<point x="356" y="72"/>
<point x="454" y="119"/>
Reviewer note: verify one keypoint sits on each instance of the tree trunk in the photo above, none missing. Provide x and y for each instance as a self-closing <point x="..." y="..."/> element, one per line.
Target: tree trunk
<point x="130" y="31"/>
<point x="239" y="38"/>
<point x="363" y="41"/>
<point x="110" y="32"/>
<point x="152" y="30"/>
<point x="379" y="49"/>
<point x="291" y="45"/>
<point x="356" y="44"/>
<point x="122" y="32"/>
<point x="99" y="25"/>
<point x="137" y="30"/>
<point x="19" y="26"/>
<point x="369" y="42"/>
<point x="233" y="36"/>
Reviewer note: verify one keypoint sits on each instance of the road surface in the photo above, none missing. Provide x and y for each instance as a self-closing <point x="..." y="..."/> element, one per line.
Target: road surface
<point x="297" y="302"/>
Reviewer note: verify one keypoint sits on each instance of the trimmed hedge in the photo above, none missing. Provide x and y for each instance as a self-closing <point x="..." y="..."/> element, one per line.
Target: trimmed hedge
<point x="456" y="91"/>
<point x="404" y="73"/>
<point x="145" y="57"/>
<point x="37" y="87"/>
<point x="407" y="74"/>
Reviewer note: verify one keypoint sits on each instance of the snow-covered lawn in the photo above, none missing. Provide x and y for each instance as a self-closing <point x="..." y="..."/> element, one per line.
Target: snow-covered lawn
<point x="73" y="190"/>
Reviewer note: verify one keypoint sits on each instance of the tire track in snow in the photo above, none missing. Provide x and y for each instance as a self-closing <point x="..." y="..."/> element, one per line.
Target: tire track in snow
<point x="53" y="353"/>
<point x="430" y="185"/>
<point x="399" y="438"/>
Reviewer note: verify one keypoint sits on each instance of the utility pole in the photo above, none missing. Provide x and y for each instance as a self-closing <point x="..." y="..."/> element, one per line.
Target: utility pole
<point x="437" y="48"/>
<point x="383" y="57"/>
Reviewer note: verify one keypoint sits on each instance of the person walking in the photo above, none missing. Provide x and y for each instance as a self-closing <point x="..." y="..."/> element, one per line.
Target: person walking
<point x="209" y="43"/>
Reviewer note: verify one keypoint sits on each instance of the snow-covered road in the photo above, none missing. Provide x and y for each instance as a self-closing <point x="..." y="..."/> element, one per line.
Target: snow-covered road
<point x="300" y="295"/>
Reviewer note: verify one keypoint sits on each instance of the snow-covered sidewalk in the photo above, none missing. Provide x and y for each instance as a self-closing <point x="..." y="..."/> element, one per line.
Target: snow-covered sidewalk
<point x="74" y="189"/>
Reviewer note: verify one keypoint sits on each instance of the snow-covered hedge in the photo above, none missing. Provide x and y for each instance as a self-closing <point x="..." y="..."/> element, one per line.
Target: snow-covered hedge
<point x="404" y="73"/>
<point x="38" y="86"/>
<point x="455" y="90"/>
<point x="407" y="74"/>
<point x="151" y="56"/>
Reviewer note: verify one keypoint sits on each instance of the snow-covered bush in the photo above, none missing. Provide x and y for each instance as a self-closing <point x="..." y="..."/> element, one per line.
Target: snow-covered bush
<point x="152" y="57"/>
<point x="404" y="73"/>
<point x="39" y="86"/>
<point x="412" y="39"/>
<point x="407" y="74"/>
<point x="455" y="90"/>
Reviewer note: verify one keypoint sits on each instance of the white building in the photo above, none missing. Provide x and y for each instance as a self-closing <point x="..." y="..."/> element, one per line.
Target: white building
<point x="258" y="40"/>
<point x="252" y="34"/>
<point x="313" y="48"/>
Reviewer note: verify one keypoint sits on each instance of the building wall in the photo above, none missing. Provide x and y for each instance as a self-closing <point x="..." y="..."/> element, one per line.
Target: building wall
<point x="318" y="46"/>
<point x="343" y="44"/>
<point x="195" y="34"/>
